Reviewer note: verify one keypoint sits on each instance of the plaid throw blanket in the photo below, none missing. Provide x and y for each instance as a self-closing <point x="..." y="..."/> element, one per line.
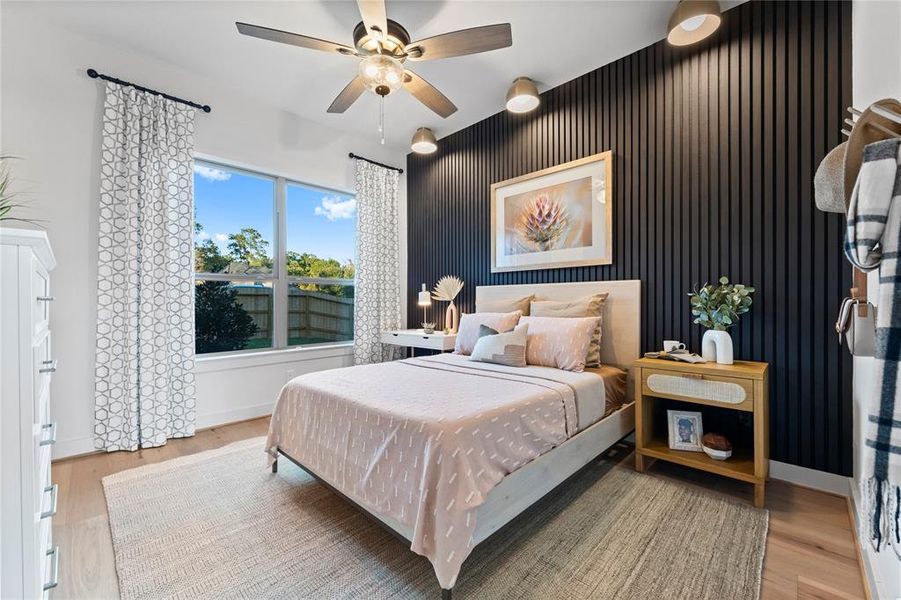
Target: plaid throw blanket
<point x="874" y="240"/>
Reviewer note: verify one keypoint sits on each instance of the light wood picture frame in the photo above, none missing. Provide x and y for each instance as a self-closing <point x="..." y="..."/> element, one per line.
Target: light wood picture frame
<point x="554" y="218"/>
<point x="686" y="428"/>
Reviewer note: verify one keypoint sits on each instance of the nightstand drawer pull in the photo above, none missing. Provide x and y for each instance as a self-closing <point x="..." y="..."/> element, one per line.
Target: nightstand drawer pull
<point x="691" y="385"/>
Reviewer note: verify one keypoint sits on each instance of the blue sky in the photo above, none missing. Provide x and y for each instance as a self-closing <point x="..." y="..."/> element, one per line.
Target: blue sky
<point x="319" y="222"/>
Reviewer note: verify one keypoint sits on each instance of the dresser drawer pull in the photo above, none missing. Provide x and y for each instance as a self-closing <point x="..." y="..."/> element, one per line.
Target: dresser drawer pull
<point x="46" y="298"/>
<point x="54" y="569"/>
<point x="692" y="375"/>
<point x="54" y="494"/>
<point x="51" y="437"/>
<point x="50" y="366"/>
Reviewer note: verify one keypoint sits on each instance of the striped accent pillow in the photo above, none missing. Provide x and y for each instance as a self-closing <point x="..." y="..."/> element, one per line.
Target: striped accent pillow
<point x="507" y="348"/>
<point x="560" y="342"/>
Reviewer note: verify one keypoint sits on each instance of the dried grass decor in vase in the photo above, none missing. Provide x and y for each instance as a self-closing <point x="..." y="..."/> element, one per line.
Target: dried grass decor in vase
<point x="446" y="290"/>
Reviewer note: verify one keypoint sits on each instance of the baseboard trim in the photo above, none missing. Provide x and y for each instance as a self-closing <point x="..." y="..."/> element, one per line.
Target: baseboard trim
<point x="869" y="584"/>
<point x="78" y="447"/>
<point x="235" y="415"/>
<point x="810" y="478"/>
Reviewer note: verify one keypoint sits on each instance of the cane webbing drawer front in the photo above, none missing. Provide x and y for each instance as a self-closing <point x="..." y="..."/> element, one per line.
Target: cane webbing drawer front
<point x="692" y="387"/>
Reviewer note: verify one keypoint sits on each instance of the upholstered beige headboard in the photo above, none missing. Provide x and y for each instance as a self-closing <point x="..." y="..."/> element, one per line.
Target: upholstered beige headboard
<point x="621" y="343"/>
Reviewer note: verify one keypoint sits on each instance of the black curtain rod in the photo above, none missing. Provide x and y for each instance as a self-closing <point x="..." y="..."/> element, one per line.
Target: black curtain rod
<point x="95" y="75"/>
<point x="352" y="155"/>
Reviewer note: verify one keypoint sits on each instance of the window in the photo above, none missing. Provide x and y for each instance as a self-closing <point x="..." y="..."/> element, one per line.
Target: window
<point x="273" y="261"/>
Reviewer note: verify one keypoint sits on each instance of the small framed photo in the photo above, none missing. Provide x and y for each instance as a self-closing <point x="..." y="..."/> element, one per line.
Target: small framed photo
<point x="685" y="430"/>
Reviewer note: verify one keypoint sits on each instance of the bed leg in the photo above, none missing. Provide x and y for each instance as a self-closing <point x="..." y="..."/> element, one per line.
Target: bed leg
<point x="446" y="594"/>
<point x="275" y="465"/>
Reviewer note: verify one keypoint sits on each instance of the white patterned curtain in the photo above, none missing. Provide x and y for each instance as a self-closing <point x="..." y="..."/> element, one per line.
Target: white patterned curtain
<point x="377" y="293"/>
<point x="144" y="373"/>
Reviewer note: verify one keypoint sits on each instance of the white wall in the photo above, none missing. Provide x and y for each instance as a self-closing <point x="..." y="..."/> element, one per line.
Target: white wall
<point x="876" y="73"/>
<point x="50" y="115"/>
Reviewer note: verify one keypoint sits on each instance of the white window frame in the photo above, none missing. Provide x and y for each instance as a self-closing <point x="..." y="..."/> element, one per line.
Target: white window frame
<point x="279" y="277"/>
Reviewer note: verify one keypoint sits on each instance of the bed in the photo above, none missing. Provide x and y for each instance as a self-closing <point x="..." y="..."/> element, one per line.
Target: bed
<point x="445" y="451"/>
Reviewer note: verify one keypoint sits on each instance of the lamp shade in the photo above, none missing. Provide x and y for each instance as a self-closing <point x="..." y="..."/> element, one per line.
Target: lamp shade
<point x="425" y="299"/>
<point x="424" y="141"/>
<point x="522" y="95"/>
<point x="692" y="21"/>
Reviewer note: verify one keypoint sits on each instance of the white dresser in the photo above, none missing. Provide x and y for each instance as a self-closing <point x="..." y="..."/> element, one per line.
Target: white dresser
<point x="29" y="563"/>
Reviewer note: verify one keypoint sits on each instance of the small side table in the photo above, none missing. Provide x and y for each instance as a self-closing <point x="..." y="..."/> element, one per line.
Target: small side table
<point x="417" y="338"/>
<point x="743" y="386"/>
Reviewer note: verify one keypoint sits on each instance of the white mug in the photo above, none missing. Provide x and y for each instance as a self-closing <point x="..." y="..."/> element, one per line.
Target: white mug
<point x="670" y="345"/>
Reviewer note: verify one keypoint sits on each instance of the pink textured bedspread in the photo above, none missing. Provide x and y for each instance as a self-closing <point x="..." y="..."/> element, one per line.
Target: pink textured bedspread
<point x="424" y="440"/>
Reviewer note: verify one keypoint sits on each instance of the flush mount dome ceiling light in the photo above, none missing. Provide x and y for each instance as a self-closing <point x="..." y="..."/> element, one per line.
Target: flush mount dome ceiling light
<point x="424" y="141"/>
<point x="692" y="21"/>
<point x="522" y="96"/>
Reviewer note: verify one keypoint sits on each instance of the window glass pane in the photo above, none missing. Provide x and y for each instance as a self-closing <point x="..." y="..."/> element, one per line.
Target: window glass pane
<point x="232" y="316"/>
<point x="320" y="248"/>
<point x="233" y="228"/>
<point x="319" y="314"/>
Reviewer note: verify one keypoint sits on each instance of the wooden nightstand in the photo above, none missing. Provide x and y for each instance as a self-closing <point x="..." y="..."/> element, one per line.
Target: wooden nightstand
<point x="743" y="386"/>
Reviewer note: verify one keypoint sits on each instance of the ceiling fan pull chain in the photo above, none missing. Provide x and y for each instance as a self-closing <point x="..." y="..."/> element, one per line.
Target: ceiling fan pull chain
<point x="382" y="118"/>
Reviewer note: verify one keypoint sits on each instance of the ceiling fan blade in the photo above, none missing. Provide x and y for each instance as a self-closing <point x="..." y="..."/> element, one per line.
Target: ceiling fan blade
<point x="374" y="16"/>
<point x="348" y="95"/>
<point x="294" y="39"/>
<point x="460" y="43"/>
<point x="428" y="94"/>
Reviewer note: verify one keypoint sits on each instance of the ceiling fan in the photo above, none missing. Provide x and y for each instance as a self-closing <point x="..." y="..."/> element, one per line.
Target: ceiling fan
<point x="384" y="46"/>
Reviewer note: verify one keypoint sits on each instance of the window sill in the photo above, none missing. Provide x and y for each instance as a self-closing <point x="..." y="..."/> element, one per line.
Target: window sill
<point x="244" y="360"/>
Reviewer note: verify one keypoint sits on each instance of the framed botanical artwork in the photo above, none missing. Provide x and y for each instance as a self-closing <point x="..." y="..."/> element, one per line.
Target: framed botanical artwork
<point x="557" y="217"/>
<point x="686" y="429"/>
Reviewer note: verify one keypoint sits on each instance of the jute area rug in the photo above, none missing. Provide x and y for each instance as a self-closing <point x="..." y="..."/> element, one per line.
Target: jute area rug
<point x="219" y="525"/>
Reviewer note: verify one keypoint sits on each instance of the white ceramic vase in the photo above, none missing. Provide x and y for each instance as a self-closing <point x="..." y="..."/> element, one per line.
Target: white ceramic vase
<point x="717" y="345"/>
<point x="452" y="318"/>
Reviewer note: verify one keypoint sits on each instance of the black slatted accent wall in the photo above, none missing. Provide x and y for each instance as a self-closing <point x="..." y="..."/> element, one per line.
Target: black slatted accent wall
<point x="715" y="151"/>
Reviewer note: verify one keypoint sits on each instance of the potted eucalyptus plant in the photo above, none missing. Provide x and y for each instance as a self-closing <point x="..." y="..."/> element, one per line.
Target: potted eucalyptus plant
<point x="718" y="307"/>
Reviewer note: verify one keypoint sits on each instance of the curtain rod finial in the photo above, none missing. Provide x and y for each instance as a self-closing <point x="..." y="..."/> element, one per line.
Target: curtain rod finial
<point x="92" y="73"/>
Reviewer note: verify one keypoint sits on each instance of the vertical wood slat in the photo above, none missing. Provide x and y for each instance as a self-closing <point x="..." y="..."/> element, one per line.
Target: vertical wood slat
<point x="715" y="147"/>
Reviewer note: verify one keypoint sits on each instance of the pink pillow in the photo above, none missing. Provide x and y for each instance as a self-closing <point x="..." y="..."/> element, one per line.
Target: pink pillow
<point x="468" y="334"/>
<point x="560" y="342"/>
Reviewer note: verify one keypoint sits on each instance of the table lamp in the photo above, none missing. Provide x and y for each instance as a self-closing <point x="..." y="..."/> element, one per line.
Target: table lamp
<point x="425" y="301"/>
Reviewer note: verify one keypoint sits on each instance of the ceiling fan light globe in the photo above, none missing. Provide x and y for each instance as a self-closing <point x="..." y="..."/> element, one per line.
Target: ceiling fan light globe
<point x="380" y="70"/>
<point x="522" y="96"/>
<point x="692" y="21"/>
<point x="424" y="141"/>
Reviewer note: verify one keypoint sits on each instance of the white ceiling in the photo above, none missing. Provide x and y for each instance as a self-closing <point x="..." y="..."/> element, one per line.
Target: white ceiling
<point x="553" y="42"/>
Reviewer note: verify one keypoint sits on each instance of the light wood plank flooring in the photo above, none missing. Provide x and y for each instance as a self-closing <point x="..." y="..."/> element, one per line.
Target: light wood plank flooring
<point x="809" y="536"/>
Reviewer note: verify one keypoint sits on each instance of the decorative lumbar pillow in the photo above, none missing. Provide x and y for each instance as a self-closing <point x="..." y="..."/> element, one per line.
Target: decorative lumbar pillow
<point x="502" y="348"/>
<point x="468" y="334"/>
<point x="520" y="304"/>
<point x="589" y="306"/>
<point x="560" y="342"/>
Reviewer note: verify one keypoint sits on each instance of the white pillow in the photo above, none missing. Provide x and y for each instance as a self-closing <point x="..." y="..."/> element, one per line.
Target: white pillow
<point x="560" y="342"/>
<point x="468" y="334"/>
<point x="503" y="348"/>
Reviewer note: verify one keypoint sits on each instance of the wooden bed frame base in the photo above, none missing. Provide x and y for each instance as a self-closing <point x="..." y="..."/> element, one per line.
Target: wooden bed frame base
<point x="522" y="488"/>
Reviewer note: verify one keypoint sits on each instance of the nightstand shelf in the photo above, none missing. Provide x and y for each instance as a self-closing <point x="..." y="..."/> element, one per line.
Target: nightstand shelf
<point x="739" y="466"/>
<point x="742" y="388"/>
